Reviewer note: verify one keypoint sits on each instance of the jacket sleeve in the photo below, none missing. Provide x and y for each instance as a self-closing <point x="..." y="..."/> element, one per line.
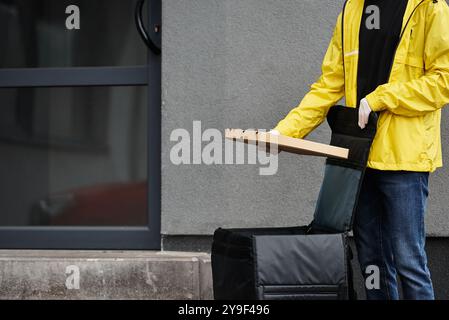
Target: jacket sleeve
<point x="430" y="92"/>
<point x="324" y="93"/>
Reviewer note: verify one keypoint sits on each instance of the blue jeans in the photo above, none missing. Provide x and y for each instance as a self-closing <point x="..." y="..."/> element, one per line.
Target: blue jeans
<point x="389" y="234"/>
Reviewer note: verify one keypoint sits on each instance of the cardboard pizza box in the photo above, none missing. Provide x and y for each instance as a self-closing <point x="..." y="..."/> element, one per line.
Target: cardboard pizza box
<point x="288" y="144"/>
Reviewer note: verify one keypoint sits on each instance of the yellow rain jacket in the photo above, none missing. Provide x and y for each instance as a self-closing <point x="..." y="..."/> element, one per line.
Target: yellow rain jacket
<point x="408" y="133"/>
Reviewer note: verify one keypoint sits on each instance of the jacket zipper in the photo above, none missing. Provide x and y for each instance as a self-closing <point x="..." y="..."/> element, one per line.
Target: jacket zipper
<point x="343" y="43"/>
<point x="400" y="38"/>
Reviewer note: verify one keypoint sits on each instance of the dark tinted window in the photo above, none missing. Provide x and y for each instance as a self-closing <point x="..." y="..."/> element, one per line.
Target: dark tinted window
<point x="33" y="33"/>
<point x="73" y="156"/>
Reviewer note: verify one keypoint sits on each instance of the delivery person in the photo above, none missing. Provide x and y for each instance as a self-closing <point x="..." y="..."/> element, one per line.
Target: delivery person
<point x="390" y="57"/>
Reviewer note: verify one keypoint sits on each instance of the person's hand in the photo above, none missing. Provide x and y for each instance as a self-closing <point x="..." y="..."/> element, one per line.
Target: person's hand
<point x="364" y="112"/>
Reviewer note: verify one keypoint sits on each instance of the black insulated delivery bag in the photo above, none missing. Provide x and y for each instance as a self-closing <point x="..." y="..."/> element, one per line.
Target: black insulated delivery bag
<point x="301" y="262"/>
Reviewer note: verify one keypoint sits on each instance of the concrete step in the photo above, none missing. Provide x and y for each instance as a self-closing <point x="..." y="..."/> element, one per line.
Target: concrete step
<point x="42" y="274"/>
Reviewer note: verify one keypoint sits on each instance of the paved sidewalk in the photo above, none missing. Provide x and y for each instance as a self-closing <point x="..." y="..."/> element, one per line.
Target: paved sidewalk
<point x="57" y="274"/>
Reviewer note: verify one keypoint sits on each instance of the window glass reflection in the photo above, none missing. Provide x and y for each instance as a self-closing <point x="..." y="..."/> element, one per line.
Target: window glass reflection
<point x="34" y="34"/>
<point x="73" y="156"/>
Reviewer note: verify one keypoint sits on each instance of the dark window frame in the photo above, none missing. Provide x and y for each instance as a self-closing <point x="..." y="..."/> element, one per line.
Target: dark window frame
<point x="137" y="238"/>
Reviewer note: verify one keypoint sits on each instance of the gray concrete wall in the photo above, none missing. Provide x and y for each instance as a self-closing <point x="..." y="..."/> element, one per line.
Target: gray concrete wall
<point x="245" y="64"/>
